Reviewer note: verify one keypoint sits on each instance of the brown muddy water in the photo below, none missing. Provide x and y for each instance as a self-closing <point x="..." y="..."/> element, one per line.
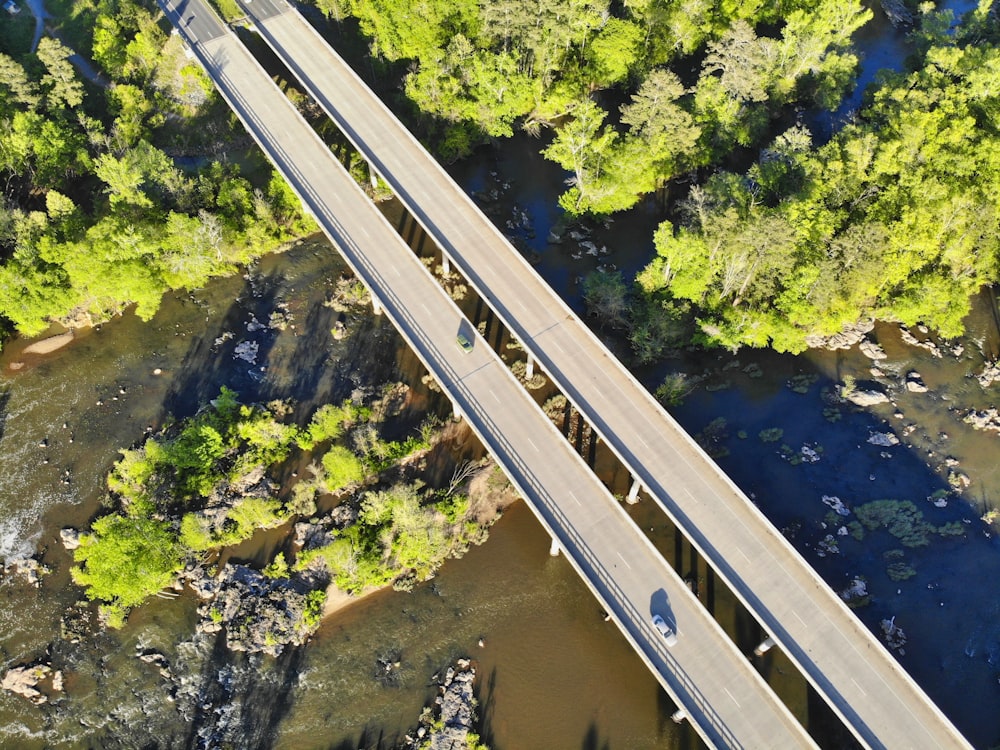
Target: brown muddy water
<point x="553" y="672"/>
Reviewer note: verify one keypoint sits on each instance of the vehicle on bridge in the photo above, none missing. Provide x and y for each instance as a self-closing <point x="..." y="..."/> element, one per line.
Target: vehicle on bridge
<point x="669" y="636"/>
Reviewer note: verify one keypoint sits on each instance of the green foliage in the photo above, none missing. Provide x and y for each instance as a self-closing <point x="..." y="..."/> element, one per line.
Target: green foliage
<point x="159" y="228"/>
<point x="341" y="469"/>
<point x="124" y="560"/>
<point x="674" y="388"/>
<point x="327" y="423"/>
<point x="312" y="613"/>
<point x="606" y="296"/>
<point x="893" y="218"/>
<point x="278" y="568"/>
<point x="398" y="538"/>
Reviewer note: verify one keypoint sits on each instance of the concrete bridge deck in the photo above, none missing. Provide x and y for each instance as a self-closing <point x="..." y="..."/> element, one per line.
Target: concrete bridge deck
<point x="859" y="679"/>
<point x="727" y="701"/>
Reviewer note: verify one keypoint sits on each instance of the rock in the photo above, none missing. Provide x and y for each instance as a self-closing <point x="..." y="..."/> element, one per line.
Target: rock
<point x="448" y="725"/>
<point x="828" y="546"/>
<point x="872" y="350"/>
<point x="70" y="538"/>
<point x="912" y="340"/>
<point x="861" y="397"/>
<point x="27" y="568"/>
<point x="247" y="351"/>
<point x="987" y="419"/>
<point x="847" y="338"/>
<point x="894" y="635"/>
<point x="885" y="439"/>
<point x="856" y="594"/>
<point x="260" y="614"/>
<point x="914" y="383"/>
<point x="838" y="505"/>
<point x="24" y="681"/>
<point x="989" y="375"/>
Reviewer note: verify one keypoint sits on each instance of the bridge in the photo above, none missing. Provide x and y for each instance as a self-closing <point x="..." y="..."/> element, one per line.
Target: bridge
<point x="727" y="702"/>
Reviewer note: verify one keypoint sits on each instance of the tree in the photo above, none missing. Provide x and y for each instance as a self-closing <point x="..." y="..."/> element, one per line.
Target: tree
<point x="61" y="88"/>
<point x="124" y="560"/>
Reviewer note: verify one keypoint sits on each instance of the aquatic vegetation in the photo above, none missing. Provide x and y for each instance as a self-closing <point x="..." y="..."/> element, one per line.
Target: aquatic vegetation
<point x="903" y="520"/>
<point x="771" y="435"/>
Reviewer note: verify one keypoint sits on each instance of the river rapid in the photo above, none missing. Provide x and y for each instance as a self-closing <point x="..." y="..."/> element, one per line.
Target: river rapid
<point x="552" y="673"/>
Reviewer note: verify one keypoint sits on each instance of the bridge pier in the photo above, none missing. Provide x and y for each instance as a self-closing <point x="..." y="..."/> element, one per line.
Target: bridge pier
<point x="376" y="305"/>
<point x="445" y="264"/>
<point x="764" y="647"/>
<point x="529" y="368"/>
<point x="372" y="175"/>
<point x="678" y="716"/>
<point x="554" y="547"/>
<point x="633" y="492"/>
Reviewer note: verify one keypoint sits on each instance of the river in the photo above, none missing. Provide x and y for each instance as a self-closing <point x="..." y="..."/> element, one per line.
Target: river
<point x="553" y="673"/>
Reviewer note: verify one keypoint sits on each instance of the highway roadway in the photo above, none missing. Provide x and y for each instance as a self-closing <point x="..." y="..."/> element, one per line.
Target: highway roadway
<point x="729" y="704"/>
<point x="847" y="665"/>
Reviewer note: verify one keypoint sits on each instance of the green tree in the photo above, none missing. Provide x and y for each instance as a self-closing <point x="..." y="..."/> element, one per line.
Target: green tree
<point x="124" y="560"/>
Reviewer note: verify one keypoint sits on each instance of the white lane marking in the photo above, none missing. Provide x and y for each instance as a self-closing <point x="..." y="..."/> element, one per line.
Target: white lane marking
<point x="743" y="553"/>
<point x="859" y="686"/>
<point x="423" y="305"/>
<point x="532" y="443"/>
<point x="623" y="560"/>
<point x="731" y="696"/>
<point x="495" y="396"/>
<point x="804" y="623"/>
<point x="572" y="495"/>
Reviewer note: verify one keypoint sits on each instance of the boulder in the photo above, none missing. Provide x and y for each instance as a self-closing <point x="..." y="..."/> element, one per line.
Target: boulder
<point x="70" y="538"/>
<point x="914" y="383"/>
<point x="26" y="568"/>
<point x="24" y="681"/>
<point x="872" y="350"/>
<point x="885" y="439"/>
<point x="847" y="338"/>
<point x="861" y="397"/>
<point x="987" y="419"/>
<point x="837" y="505"/>
<point x="989" y="375"/>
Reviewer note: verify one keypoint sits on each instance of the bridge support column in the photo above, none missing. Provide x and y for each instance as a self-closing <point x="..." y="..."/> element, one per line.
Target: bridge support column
<point x="372" y="175"/>
<point x="678" y="716"/>
<point x="529" y="368"/>
<point x="445" y="265"/>
<point x="456" y="413"/>
<point x="633" y="492"/>
<point x="764" y="647"/>
<point x="376" y="305"/>
<point x="554" y="547"/>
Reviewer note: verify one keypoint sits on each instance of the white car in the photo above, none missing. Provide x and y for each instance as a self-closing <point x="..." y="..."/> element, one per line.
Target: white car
<point x="665" y="630"/>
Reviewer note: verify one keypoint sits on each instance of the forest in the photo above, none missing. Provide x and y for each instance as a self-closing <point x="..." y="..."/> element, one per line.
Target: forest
<point x="119" y="188"/>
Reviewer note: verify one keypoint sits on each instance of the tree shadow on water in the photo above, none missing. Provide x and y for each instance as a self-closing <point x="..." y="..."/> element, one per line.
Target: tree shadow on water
<point x="592" y="741"/>
<point x="207" y="366"/>
<point x="243" y="698"/>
